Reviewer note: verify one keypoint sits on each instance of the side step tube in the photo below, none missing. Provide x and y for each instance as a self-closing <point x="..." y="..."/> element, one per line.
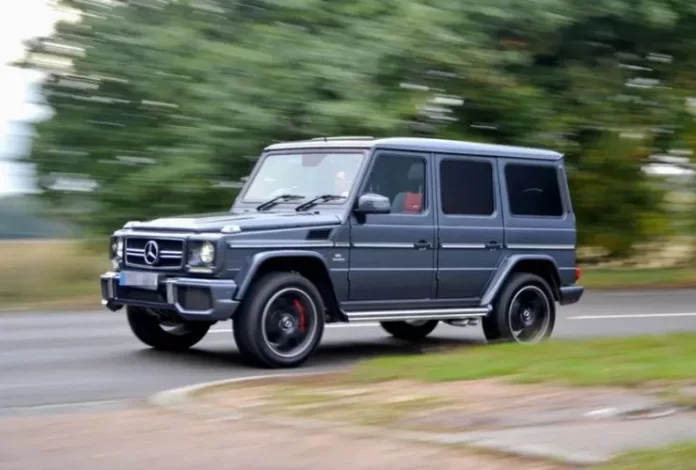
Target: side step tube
<point x="417" y="314"/>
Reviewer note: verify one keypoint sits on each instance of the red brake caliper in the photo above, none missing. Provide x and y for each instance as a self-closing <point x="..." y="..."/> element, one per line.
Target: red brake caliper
<point x="300" y="308"/>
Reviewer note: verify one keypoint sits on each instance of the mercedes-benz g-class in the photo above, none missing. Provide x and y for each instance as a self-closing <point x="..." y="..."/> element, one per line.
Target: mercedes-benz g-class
<point x="407" y="232"/>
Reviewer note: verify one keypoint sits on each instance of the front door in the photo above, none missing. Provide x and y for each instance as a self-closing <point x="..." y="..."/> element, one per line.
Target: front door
<point x="393" y="255"/>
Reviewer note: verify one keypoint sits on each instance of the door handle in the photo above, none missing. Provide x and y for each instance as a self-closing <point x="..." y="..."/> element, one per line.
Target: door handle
<point x="493" y="246"/>
<point x="422" y="245"/>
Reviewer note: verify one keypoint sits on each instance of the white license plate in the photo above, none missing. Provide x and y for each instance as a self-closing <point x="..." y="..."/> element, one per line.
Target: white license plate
<point x="139" y="279"/>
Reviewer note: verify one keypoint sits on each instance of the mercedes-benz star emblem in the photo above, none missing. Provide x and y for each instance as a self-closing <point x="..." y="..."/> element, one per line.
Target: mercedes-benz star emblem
<point x="151" y="252"/>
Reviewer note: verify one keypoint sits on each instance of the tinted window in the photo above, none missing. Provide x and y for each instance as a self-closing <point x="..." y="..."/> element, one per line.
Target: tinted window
<point x="402" y="180"/>
<point x="466" y="187"/>
<point x="533" y="190"/>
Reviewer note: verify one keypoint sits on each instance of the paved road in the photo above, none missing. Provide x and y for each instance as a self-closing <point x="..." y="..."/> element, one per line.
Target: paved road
<point x="50" y="360"/>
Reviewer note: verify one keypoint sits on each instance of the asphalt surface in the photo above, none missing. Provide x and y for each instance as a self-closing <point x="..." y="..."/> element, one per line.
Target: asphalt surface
<point x="51" y="360"/>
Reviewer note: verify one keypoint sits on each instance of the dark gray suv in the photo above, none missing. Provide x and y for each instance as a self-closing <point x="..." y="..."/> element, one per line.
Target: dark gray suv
<point x="407" y="232"/>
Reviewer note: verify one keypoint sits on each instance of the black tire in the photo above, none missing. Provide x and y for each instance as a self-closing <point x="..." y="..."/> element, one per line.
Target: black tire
<point x="147" y="329"/>
<point x="499" y="325"/>
<point x="257" y="314"/>
<point x="409" y="331"/>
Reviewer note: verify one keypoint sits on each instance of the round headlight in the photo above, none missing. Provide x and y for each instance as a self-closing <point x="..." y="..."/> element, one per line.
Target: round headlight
<point x="116" y="247"/>
<point x="207" y="253"/>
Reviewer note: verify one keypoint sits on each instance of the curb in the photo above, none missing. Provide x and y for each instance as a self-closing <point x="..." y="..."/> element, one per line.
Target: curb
<point x="182" y="400"/>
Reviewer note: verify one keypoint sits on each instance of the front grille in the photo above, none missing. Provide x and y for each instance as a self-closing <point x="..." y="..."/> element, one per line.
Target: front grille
<point x="154" y="253"/>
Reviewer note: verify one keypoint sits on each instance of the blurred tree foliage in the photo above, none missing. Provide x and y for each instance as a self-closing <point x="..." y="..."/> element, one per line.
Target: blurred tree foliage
<point x="164" y="99"/>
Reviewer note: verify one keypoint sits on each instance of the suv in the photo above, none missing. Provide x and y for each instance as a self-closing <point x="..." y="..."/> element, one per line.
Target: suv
<point x="406" y="232"/>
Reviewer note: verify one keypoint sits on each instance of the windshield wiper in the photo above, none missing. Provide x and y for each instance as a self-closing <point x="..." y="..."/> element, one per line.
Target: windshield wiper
<point x="272" y="202"/>
<point x="313" y="202"/>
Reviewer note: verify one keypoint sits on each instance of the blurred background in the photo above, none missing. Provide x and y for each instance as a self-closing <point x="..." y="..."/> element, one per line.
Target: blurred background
<point x="112" y="110"/>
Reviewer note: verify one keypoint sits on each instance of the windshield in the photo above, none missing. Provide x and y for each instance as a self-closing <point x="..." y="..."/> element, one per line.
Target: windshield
<point x="308" y="175"/>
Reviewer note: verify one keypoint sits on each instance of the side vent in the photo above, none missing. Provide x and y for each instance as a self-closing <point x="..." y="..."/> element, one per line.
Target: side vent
<point x="319" y="234"/>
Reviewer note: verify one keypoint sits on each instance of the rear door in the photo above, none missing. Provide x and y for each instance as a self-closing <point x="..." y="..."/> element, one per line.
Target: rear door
<point x="538" y="215"/>
<point x="470" y="231"/>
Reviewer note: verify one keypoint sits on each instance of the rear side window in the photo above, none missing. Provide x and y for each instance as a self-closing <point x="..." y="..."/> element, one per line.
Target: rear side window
<point x="466" y="187"/>
<point x="533" y="190"/>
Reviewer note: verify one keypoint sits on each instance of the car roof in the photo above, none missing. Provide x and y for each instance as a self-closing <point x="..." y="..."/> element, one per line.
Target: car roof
<point x="419" y="144"/>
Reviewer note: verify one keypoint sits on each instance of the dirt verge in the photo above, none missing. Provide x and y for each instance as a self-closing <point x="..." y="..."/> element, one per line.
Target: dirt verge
<point x="143" y="438"/>
<point x="436" y="407"/>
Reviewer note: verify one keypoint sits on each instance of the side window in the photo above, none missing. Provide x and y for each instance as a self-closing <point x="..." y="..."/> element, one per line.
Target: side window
<point x="533" y="190"/>
<point x="466" y="187"/>
<point x="402" y="180"/>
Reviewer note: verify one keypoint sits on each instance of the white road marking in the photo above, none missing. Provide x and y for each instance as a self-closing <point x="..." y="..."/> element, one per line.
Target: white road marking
<point x="338" y="325"/>
<point x="632" y="315"/>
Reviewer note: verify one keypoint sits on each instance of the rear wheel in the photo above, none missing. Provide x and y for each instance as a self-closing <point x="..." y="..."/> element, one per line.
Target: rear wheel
<point x="524" y="312"/>
<point x="281" y="322"/>
<point x="410" y="330"/>
<point x="169" y="335"/>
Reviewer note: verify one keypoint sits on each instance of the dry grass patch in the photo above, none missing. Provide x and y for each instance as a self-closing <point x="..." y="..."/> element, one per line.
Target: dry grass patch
<point x="330" y="401"/>
<point x="64" y="274"/>
<point x="34" y="272"/>
<point x="407" y="404"/>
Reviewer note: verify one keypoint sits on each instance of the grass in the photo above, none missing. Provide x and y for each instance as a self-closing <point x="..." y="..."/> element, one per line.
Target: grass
<point x="50" y="273"/>
<point x="680" y="456"/>
<point x="639" y="278"/>
<point x="667" y="360"/>
<point x="56" y="273"/>
<point x="613" y="362"/>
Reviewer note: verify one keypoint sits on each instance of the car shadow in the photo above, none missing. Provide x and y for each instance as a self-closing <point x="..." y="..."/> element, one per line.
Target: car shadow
<point x="327" y="355"/>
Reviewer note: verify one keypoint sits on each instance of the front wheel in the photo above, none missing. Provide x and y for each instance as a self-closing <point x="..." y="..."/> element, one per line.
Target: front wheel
<point x="524" y="312"/>
<point x="413" y="330"/>
<point x="168" y="336"/>
<point x="281" y="322"/>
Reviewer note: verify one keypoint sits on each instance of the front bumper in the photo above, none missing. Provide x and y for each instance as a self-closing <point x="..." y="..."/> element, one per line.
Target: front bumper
<point x="570" y="294"/>
<point x="192" y="299"/>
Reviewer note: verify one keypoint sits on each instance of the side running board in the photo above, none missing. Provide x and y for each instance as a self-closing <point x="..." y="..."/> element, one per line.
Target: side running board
<point x="417" y="314"/>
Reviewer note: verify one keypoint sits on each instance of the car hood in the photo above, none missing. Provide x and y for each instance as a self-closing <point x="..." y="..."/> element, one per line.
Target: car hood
<point x="214" y="222"/>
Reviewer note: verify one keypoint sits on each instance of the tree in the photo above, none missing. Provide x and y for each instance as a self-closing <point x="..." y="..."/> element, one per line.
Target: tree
<point x="165" y="99"/>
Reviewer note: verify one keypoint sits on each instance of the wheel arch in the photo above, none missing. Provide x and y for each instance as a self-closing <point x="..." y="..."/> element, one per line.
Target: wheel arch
<point x="543" y="266"/>
<point x="309" y="264"/>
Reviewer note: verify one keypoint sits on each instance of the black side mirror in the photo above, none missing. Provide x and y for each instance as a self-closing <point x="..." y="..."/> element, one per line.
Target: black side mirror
<point x="371" y="203"/>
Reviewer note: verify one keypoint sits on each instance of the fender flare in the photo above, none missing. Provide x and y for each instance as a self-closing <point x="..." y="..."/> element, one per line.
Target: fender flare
<point x="506" y="268"/>
<point x="247" y="273"/>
